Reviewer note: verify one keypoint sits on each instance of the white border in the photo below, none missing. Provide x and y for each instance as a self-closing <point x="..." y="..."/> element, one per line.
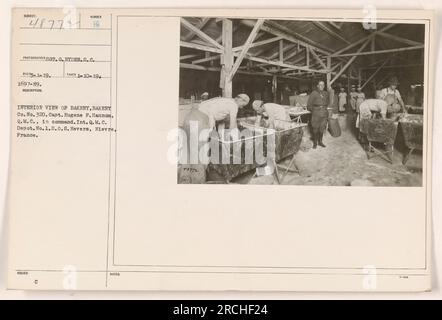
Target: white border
<point x="4" y="146"/>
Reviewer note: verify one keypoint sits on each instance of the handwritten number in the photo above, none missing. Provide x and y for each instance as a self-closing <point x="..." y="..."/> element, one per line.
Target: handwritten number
<point x="33" y="22"/>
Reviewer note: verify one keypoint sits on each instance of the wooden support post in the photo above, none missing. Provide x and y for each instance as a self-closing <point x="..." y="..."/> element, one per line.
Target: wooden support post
<point x="348" y="90"/>
<point x="212" y="61"/>
<point x="226" y="58"/>
<point x="275" y="88"/>
<point x="359" y="77"/>
<point x="328" y="73"/>
<point x="331" y="92"/>
<point x="307" y="57"/>
<point x="281" y="51"/>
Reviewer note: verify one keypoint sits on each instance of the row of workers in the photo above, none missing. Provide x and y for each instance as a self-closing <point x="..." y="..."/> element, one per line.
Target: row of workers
<point x="357" y="97"/>
<point x="219" y="110"/>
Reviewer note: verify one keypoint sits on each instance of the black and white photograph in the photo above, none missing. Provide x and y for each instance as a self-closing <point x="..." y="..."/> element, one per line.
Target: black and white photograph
<point x="301" y="102"/>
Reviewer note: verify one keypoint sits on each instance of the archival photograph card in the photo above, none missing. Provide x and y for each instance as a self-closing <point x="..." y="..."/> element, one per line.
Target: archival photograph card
<point x="216" y="149"/>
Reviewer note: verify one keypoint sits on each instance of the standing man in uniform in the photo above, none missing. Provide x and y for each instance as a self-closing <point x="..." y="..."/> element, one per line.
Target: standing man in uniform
<point x="317" y="104"/>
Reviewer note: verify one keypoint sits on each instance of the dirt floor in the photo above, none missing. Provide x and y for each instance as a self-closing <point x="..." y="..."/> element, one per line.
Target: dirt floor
<point x="344" y="162"/>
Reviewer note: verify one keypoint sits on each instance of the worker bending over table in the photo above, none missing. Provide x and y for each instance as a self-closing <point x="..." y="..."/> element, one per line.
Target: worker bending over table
<point x="370" y="107"/>
<point x="222" y="110"/>
<point x="274" y="112"/>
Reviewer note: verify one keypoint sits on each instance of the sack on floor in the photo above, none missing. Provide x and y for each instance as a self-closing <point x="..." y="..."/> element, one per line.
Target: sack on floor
<point x="333" y="127"/>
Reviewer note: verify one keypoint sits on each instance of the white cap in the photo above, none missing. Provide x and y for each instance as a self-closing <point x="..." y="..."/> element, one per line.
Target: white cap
<point x="257" y="104"/>
<point x="244" y="97"/>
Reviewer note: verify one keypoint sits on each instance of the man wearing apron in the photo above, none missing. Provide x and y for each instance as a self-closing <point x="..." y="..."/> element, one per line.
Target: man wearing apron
<point x="317" y="104"/>
<point x="392" y="91"/>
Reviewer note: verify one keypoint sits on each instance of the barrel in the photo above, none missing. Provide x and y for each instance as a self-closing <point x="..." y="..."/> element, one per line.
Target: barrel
<point x="333" y="127"/>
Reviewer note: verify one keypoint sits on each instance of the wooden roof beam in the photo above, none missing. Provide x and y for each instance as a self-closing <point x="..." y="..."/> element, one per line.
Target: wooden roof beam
<point x="246" y="47"/>
<point x="197" y="46"/>
<point x="212" y="58"/>
<point x="200" y="25"/>
<point x="188" y="56"/>
<point x="292" y="54"/>
<point x="306" y="41"/>
<point x="283" y="65"/>
<point x="381" y="51"/>
<point x="400" y="39"/>
<point x="217" y="69"/>
<point x="397" y="66"/>
<point x="276" y="54"/>
<point x="337" y="25"/>
<point x="267" y="27"/>
<point x="334" y="34"/>
<point x="369" y="37"/>
<point x="374" y="73"/>
<point x="312" y="51"/>
<point x="367" y="41"/>
<point x="199" y="33"/>
<point x="259" y="43"/>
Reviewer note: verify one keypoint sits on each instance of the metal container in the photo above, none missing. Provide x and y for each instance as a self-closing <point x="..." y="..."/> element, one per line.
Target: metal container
<point x="379" y="130"/>
<point x="382" y="131"/>
<point x="286" y="139"/>
<point x="412" y="130"/>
